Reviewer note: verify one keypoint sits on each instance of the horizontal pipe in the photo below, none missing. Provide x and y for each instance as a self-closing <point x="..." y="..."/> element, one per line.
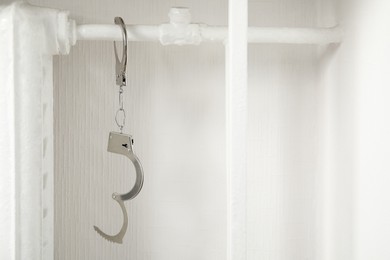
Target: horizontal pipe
<point x="108" y="32"/>
<point x="295" y="35"/>
<point x="152" y="33"/>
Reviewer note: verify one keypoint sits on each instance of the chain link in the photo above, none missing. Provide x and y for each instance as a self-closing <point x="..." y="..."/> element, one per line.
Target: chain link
<point x="120" y="115"/>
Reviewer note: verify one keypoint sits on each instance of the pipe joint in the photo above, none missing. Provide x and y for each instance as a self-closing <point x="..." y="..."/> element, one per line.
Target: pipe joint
<point x="180" y="31"/>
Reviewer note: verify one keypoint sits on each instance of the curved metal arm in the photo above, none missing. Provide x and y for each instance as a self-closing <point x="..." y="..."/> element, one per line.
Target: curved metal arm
<point x="139" y="180"/>
<point x="120" y="65"/>
<point x="118" y="238"/>
<point x="123" y="144"/>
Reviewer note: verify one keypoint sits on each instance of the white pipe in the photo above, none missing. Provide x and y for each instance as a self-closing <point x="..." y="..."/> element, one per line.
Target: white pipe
<point x="108" y="32"/>
<point x="153" y="33"/>
<point x="295" y="35"/>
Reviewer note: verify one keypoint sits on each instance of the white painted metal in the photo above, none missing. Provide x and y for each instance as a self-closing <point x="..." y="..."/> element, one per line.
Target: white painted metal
<point x="236" y="125"/>
<point x="295" y="35"/>
<point x="108" y="32"/>
<point x="180" y="31"/>
<point x="26" y="142"/>
<point x="151" y="33"/>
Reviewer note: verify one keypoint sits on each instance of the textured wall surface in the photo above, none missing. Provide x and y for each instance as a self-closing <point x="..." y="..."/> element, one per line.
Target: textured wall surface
<point x="284" y="133"/>
<point x="175" y="107"/>
<point x="283" y="152"/>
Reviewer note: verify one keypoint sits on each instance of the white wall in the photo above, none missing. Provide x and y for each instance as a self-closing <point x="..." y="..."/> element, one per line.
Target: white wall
<point x="284" y="145"/>
<point x="372" y="82"/>
<point x="364" y="71"/>
<point x="357" y="175"/>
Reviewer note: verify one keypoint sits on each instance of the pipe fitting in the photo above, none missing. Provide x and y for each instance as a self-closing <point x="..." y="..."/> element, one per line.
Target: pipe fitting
<point x="66" y="32"/>
<point x="180" y="31"/>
